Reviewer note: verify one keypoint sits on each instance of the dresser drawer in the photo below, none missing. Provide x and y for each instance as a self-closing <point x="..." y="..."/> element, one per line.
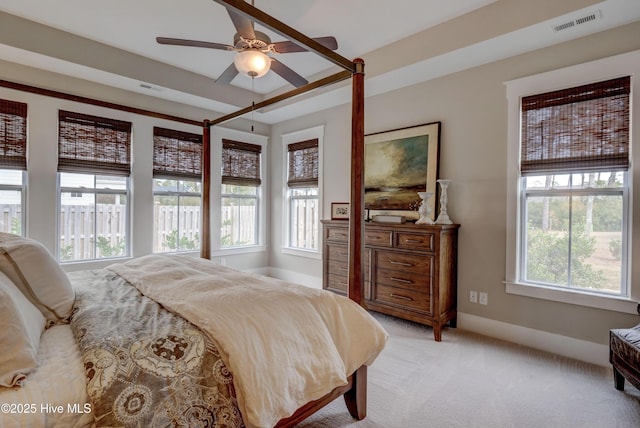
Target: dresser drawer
<point x="338" y="234"/>
<point x="339" y="267"/>
<point x="414" y="241"/>
<point x="342" y="268"/>
<point x="337" y="283"/>
<point x="402" y="297"/>
<point x="418" y="263"/>
<point x="379" y="238"/>
<point x="338" y="252"/>
<point x="408" y="280"/>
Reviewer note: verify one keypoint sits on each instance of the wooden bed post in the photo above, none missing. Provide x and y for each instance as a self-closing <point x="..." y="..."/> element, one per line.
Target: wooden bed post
<point x="356" y="217"/>
<point x="205" y="239"/>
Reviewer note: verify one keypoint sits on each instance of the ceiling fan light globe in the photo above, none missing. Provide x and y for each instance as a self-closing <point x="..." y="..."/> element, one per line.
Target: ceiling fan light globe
<point x="252" y="63"/>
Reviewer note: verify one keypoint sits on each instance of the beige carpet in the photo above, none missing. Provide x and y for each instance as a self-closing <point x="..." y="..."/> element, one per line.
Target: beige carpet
<point x="469" y="381"/>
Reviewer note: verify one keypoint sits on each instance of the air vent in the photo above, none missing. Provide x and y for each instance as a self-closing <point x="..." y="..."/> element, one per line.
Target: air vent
<point x="151" y="88"/>
<point x="594" y="16"/>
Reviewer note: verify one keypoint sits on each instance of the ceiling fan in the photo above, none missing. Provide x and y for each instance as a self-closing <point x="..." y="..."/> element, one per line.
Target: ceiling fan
<point x="252" y="48"/>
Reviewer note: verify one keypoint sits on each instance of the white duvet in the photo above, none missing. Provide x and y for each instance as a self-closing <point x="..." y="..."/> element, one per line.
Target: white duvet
<point x="285" y="344"/>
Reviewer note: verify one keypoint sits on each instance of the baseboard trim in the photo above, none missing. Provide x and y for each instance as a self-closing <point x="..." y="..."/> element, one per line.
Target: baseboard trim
<point x="292" y="276"/>
<point x="582" y="350"/>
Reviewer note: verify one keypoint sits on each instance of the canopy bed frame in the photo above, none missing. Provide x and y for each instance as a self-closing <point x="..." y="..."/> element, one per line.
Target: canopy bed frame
<point x="355" y="391"/>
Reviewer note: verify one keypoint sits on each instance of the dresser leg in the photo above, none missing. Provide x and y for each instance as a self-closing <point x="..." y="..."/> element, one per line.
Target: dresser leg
<point x="437" y="333"/>
<point x="453" y="322"/>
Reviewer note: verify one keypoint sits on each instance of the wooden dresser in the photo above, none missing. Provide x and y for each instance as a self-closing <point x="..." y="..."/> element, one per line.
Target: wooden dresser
<point x="410" y="270"/>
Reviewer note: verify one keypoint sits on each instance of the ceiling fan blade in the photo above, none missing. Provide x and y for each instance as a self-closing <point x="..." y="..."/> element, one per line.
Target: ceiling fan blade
<point x="243" y="25"/>
<point x="228" y="75"/>
<point x="288" y="74"/>
<point x="194" y="43"/>
<point x="329" y="42"/>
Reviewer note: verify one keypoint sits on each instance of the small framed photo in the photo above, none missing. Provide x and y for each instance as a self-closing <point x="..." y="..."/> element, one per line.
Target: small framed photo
<point x="339" y="211"/>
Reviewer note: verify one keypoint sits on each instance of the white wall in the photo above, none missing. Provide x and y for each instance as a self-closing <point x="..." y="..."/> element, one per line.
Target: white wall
<point x="472" y="107"/>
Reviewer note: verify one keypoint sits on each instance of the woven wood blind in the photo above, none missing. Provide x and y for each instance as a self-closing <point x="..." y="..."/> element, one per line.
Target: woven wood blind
<point x="13" y="135"/>
<point x="303" y="164"/>
<point x="584" y="128"/>
<point x="94" y="145"/>
<point x="176" y="154"/>
<point x="240" y="163"/>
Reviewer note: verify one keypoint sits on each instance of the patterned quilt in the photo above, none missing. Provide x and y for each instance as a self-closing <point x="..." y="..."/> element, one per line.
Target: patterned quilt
<point x="145" y="366"/>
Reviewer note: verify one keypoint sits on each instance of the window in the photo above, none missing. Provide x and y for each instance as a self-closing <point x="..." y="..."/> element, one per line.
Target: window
<point x="177" y="190"/>
<point x="302" y="195"/>
<point x="94" y="163"/>
<point x="572" y="216"/>
<point x="13" y="164"/>
<point x="240" y="193"/>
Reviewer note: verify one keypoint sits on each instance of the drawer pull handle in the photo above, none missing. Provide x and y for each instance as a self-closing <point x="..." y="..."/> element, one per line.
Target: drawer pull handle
<point x="404" y="281"/>
<point x="400" y="263"/>
<point x="415" y="241"/>
<point x="401" y="297"/>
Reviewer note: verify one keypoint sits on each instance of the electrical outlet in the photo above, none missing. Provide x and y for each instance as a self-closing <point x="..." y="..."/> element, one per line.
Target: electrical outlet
<point x="473" y="296"/>
<point x="484" y="299"/>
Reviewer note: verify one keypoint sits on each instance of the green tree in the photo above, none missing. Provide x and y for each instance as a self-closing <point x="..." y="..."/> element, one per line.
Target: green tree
<point x="548" y="253"/>
<point x="105" y="249"/>
<point x="66" y="252"/>
<point x="16" y="226"/>
<point x="175" y="243"/>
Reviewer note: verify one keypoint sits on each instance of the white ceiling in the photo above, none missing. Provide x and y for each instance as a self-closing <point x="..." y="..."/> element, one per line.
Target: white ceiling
<point x="360" y="26"/>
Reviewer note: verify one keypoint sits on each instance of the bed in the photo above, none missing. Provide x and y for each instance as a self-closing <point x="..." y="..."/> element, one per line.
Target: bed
<point x="85" y="368"/>
<point x="167" y="340"/>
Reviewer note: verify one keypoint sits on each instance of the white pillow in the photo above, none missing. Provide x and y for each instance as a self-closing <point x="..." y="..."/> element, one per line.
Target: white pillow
<point x="38" y="275"/>
<point x="21" y="325"/>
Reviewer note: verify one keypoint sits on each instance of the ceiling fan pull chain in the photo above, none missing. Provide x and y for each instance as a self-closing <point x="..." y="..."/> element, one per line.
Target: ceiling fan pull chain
<point x="253" y="101"/>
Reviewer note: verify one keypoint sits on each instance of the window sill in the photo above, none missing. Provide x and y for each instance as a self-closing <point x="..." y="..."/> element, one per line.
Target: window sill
<point x="610" y="303"/>
<point x="230" y="251"/>
<point x="310" y="254"/>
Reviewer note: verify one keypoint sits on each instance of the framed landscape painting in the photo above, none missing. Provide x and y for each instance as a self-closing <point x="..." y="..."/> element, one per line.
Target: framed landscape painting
<point x="399" y="164"/>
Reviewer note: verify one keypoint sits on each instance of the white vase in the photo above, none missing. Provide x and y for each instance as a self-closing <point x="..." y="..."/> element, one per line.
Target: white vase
<point x="425" y="209"/>
<point x="443" y="217"/>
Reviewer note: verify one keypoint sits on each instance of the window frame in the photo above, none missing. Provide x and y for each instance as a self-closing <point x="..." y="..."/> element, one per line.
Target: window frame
<point x="177" y="156"/>
<point x="73" y="144"/>
<point x="250" y="160"/>
<point x="313" y="133"/>
<point x="16" y="143"/>
<point x="217" y="135"/>
<point x="595" y="71"/>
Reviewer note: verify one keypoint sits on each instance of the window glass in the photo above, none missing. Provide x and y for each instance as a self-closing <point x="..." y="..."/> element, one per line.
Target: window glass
<point x="11" y="196"/>
<point x="304" y="217"/>
<point x="239" y="215"/>
<point x="574" y="231"/>
<point x="93" y="216"/>
<point x="177" y="211"/>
